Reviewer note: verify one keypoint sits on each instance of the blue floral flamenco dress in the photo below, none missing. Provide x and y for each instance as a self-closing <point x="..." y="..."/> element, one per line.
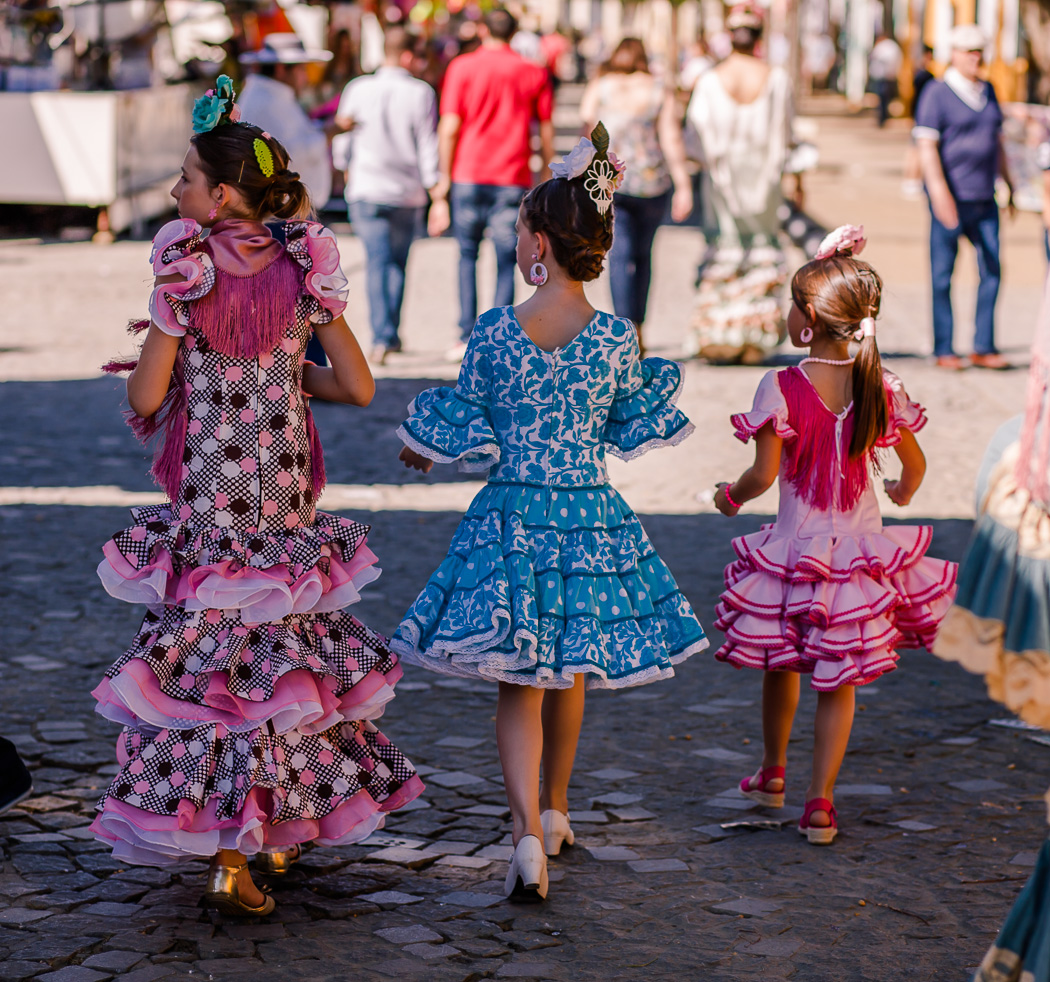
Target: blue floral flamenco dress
<point x="550" y="574"/>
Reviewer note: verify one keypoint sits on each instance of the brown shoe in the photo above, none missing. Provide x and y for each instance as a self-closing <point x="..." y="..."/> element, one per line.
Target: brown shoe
<point x="995" y="362"/>
<point x="952" y="363"/>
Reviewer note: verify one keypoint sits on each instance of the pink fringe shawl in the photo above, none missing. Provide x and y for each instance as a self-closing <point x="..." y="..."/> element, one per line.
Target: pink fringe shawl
<point x="822" y="477"/>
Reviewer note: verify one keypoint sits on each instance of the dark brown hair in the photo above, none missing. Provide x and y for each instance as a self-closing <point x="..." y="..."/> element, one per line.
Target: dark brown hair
<point x="501" y="23"/>
<point x="227" y="156"/>
<point x="843" y="291"/>
<point x="562" y="210"/>
<point x="745" y="39"/>
<point x="628" y="57"/>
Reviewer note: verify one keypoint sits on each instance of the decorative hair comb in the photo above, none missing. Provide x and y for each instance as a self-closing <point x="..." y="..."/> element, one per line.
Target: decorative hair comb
<point x="846" y="240"/>
<point x="215" y="107"/>
<point x="601" y="170"/>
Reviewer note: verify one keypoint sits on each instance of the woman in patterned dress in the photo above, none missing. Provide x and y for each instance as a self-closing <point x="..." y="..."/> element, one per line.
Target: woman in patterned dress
<point x="247" y="695"/>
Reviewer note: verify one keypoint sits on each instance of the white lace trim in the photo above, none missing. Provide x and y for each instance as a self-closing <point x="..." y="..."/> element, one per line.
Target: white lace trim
<point x="652" y="444"/>
<point x="466" y="466"/>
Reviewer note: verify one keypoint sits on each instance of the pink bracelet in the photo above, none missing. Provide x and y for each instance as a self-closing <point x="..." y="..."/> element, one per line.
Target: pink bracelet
<point x="729" y="497"/>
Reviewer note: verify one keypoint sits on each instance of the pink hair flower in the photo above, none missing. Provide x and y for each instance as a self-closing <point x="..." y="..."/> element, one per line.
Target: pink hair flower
<point x="846" y="240"/>
<point x="235" y="114"/>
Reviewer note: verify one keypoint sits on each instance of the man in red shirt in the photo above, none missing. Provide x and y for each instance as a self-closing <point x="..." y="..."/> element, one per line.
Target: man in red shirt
<point x="488" y="103"/>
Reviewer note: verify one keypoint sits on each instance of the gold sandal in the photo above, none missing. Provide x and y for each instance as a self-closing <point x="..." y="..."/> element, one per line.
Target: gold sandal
<point x="277" y="863"/>
<point x="222" y="893"/>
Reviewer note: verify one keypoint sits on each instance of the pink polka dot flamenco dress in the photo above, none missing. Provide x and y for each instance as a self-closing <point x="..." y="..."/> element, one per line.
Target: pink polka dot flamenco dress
<point x="248" y="693"/>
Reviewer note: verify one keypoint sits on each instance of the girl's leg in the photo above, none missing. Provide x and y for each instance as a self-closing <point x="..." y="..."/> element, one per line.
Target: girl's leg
<point x="562" y="718"/>
<point x="831" y="731"/>
<point x="780" y="692"/>
<point x="249" y="892"/>
<point x="519" y="736"/>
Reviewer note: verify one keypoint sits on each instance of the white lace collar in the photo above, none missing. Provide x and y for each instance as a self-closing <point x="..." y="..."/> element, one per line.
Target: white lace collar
<point x="974" y="94"/>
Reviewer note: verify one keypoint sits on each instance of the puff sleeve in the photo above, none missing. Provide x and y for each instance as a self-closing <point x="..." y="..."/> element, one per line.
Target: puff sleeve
<point x="315" y="249"/>
<point x="643" y="414"/>
<point x="453" y="424"/>
<point x="904" y="414"/>
<point x="177" y="250"/>
<point x="769" y="406"/>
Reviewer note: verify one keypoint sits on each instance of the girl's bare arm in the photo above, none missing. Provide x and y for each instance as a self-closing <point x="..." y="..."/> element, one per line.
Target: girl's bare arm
<point x="759" y="477"/>
<point x="348" y="378"/>
<point x="913" y="469"/>
<point x="148" y="383"/>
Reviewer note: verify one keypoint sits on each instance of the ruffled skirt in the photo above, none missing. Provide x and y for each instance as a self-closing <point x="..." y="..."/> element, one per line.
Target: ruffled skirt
<point x="246" y="693"/>
<point x="836" y="607"/>
<point x="543" y="584"/>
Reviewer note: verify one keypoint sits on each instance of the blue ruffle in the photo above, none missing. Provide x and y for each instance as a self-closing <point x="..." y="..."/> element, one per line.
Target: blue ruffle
<point x="541" y="584"/>
<point x="647" y="418"/>
<point x="444" y="426"/>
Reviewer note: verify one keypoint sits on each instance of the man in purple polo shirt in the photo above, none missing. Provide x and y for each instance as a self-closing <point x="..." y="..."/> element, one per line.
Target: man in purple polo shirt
<point x="958" y="126"/>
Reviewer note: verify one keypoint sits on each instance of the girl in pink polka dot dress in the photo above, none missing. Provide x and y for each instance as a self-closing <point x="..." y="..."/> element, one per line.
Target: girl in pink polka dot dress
<point x="247" y="694"/>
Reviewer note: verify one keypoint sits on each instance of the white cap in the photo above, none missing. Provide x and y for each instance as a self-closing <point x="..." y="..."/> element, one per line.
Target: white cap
<point x="967" y="37"/>
<point x="284" y="49"/>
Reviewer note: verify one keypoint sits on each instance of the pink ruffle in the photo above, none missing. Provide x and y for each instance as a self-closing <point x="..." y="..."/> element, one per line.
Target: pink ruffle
<point x="835" y="607"/>
<point x="746" y="425"/>
<point x="315" y="248"/>
<point x="176" y="250"/>
<point x="261" y="595"/>
<point x="144" y="838"/>
<point x="904" y="414"/>
<point x="301" y="700"/>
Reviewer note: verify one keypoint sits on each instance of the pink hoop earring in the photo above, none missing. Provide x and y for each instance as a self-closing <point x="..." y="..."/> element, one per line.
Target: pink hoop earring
<point x="806" y="335"/>
<point x="538" y="272"/>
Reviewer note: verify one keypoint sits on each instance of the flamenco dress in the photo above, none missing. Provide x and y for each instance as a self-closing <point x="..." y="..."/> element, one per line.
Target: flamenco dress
<point x="826" y="590"/>
<point x="248" y="693"/>
<point x="550" y="574"/>
<point x="999" y="626"/>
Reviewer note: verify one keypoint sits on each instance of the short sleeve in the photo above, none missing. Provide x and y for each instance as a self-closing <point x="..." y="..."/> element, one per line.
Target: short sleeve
<point x="452" y="89"/>
<point x="769" y="406"/>
<point x="177" y="252"/>
<point x="315" y="249"/>
<point x="904" y="414"/>
<point x="453" y="424"/>
<point x="643" y="414"/>
<point x="927" y="114"/>
<point x="545" y="100"/>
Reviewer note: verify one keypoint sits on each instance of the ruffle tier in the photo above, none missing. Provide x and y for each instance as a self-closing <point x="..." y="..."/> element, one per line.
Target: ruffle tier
<point x="647" y="418"/>
<point x="836" y="607"/>
<point x="542" y="584"/>
<point x="445" y="426"/>
<point x="197" y="791"/>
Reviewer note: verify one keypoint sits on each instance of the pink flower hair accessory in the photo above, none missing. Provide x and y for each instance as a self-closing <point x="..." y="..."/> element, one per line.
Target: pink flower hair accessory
<point x="846" y="240"/>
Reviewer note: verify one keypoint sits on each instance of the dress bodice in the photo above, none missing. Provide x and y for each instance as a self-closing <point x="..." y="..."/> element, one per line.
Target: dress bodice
<point x="547" y="417"/>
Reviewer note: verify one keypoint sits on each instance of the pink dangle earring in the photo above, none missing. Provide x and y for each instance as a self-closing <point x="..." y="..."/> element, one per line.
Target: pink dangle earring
<point x="538" y="272"/>
<point x="806" y="334"/>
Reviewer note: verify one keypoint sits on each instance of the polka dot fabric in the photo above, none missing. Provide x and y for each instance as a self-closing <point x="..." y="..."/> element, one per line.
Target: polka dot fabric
<point x="243" y="728"/>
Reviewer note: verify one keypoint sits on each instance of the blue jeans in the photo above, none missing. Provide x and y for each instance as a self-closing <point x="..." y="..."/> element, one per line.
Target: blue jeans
<point x="476" y="207"/>
<point x="387" y="232"/>
<point x="635" y="221"/>
<point x="979" y="222"/>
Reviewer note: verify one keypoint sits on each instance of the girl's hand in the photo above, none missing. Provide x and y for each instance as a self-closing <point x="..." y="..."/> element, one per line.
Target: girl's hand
<point x="412" y="459"/>
<point x="896" y="492"/>
<point x="722" y="502"/>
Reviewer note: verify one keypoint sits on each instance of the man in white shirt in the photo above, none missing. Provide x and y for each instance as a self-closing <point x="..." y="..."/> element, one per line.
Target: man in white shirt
<point x="270" y="100"/>
<point x="884" y="65"/>
<point x="393" y="161"/>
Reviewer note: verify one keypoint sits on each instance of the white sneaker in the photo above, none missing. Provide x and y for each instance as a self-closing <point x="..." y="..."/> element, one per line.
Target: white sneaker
<point x="456" y="352"/>
<point x="527" y="877"/>
<point x="556" y="831"/>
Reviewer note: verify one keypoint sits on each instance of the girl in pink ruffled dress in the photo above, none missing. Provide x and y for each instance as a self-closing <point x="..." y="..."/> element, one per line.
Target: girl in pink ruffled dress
<point x="247" y="693"/>
<point x="826" y="589"/>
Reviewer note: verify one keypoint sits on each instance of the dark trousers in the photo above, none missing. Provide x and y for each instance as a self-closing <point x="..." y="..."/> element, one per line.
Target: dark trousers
<point x="885" y="89"/>
<point x="476" y="207"/>
<point x="979" y="222"/>
<point x="387" y="232"/>
<point x="635" y="221"/>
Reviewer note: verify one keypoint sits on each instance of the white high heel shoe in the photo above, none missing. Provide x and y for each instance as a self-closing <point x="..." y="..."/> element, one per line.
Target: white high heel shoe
<point x="527" y="876"/>
<point x="556" y="831"/>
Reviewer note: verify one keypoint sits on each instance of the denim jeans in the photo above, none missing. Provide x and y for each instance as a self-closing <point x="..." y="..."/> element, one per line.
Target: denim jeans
<point x="476" y="207"/>
<point x="979" y="222"/>
<point x="635" y="221"/>
<point x="387" y="232"/>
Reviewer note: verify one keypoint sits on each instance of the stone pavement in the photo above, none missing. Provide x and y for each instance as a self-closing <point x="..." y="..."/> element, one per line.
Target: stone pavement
<point x="674" y="876"/>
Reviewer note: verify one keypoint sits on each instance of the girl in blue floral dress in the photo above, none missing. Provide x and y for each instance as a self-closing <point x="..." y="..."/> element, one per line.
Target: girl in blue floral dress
<point x="551" y="584"/>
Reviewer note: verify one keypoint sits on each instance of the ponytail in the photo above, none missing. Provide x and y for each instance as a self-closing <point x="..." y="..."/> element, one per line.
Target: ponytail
<point x="870" y="410"/>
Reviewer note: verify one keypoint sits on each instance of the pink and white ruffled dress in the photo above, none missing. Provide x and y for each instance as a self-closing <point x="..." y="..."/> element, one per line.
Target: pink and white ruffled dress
<point x="826" y="589"/>
<point x="247" y="694"/>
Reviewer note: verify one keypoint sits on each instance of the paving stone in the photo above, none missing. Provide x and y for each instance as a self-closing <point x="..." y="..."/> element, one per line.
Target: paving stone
<point x="412" y="858"/>
<point x="430" y="952"/>
<point x="714" y="833"/>
<point x="527" y="940"/>
<point x="383" y="839"/>
<point x="612" y="774"/>
<point x="495" y="811"/>
<point x="612" y="853"/>
<point x="466" y="898"/>
<point x="76" y="973"/>
<point x="495" y="852"/>
<point x="106" y="909"/>
<point x="707" y="709"/>
<point x="462" y="743"/>
<point x="589" y="818"/>
<point x="114" y="961"/>
<point x="225" y="948"/>
<point x="635" y="814"/>
<point x="720" y="753"/>
<point x="960" y="741"/>
<point x="33" y="862"/>
<point x="40" y="837"/>
<point x="773" y="947"/>
<point x="464" y="862"/>
<point x="223" y="968"/>
<point x="59" y="902"/>
<point x="529" y="970"/>
<point x="150" y="973"/>
<point x="1024" y="859"/>
<point x="15" y="971"/>
<point x="337" y="909"/>
<point x="740" y="804"/>
<point x="408" y="934"/>
<point x="751" y="907"/>
<point x="392" y="898"/>
<point x="863" y="789"/>
<point x="659" y="866"/>
<point x="455" y="779"/>
<point x="909" y="825"/>
<point x="47" y="949"/>
<point x="978" y="785"/>
<point x="743" y="703"/>
<point x="481" y="948"/>
<point x="18" y="916"/>
<point x="451" y="847"/>
<point x="616" y="798"/>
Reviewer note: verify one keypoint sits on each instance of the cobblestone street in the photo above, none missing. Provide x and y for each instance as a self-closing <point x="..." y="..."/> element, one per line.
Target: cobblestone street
<point x="674" y="875"/>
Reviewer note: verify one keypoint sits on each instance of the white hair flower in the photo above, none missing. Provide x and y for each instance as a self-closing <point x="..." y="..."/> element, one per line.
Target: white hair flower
<point x="602" y="180"/>
<point x="576" y="162"/>
<point x="846" y="240"/>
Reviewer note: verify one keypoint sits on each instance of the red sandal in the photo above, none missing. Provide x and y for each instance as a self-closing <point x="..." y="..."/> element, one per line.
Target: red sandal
<point x="819" y="835"/>
<point x="770" y="799"/>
